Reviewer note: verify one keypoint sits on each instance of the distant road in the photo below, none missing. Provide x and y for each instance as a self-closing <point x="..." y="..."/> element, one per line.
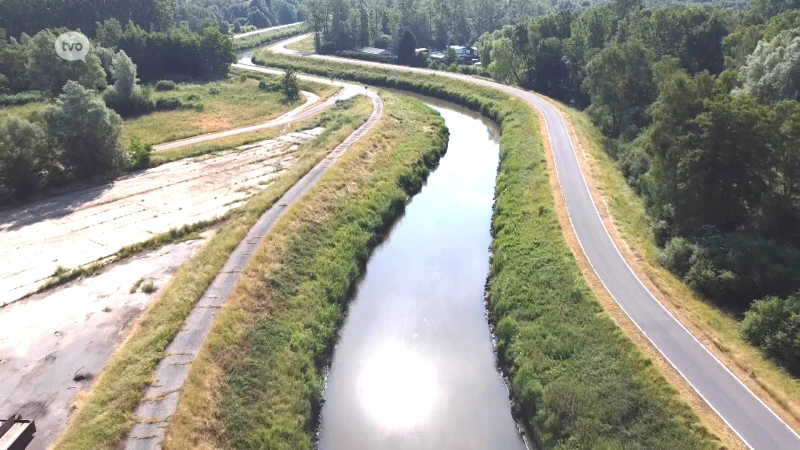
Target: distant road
<point x="264" y="30"/>
<point x="757" y="425"/>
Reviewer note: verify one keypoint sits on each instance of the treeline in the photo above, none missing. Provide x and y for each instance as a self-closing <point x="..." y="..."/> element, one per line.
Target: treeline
<point x="347" y="24"/>
<point x="32" y="64"/>
<point x="701" y="105"/>
<point x="238" y="16"/>
<point x="343" y="25"/>
<point x="31" y="16"/>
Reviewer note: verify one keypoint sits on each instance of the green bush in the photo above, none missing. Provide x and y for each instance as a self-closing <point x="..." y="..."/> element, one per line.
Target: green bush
<point x="735" y="268"/>
<point x="24" y="155"/>
<point x="138" y="155"/>
<point x="773" y="324"/>
<point x="166" y="85"/>
<point x="22" y="98"/>
<point x="272" y="85"/>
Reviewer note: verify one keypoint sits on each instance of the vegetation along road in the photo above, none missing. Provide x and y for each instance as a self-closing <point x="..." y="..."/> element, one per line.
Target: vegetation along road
<point x="755" y="423"/>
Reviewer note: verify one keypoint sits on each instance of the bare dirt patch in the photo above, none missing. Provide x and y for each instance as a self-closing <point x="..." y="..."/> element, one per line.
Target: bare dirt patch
<point x="54" y="344"/>
<point x="88" y="225"/>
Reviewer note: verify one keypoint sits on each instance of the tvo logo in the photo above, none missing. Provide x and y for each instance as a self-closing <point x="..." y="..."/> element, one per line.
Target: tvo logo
<point x="72" y="46"/>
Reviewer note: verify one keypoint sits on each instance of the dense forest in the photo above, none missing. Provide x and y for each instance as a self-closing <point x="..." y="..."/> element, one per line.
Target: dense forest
<point x="32" y="16"/>
<point x="700" y="106"/>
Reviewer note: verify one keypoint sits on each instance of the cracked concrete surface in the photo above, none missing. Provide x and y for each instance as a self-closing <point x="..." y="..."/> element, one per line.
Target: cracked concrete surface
<point x="87" y="225"/>
<point x="50" y="339"/>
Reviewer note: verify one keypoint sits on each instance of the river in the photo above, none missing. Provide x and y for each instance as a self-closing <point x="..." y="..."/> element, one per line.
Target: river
<point x="414" y="367"/>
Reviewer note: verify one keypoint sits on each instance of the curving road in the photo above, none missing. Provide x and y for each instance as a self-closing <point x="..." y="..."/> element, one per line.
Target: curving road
<point x="757" y="425"/>
<point x="161" y="398"/>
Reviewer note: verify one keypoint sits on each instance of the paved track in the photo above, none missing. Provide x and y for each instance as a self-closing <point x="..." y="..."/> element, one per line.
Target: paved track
<point x="161" y="399"/>
<point x="757" y="425"/>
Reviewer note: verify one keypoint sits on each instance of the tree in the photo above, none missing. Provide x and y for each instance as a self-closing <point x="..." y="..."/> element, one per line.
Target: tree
<point x="619" y="81"/>
<point x="406" y="51"/>
<point x="217" y="51"/>
<point x="23" y="156"/>
<point x="772" y="72"/>
<point x="506" y="65"/>
<point x="773" y="324"/>
<point x="48" y="72"/>
<point x="13" y="62"/>
<point x="126" y="97"/>
<point x="89" y="134"/>
<point x="289" y="85"/>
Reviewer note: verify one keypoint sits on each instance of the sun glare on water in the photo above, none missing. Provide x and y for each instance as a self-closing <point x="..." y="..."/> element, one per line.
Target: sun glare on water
<point x="398" y="387"/>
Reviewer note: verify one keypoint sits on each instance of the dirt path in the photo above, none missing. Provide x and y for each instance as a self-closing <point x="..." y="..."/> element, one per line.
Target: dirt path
<point x="161" y="399"/>
<point x="85" y="226"/>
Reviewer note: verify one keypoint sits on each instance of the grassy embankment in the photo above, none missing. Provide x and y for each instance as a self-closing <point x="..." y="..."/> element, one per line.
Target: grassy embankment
<point x="269" y="36"/>
<point x="107" y="412"/>
<point x="258" y="377"/>
<point x="721" y="328"/>
<point x="305" y="45"/>
<point x="575" y="377"/>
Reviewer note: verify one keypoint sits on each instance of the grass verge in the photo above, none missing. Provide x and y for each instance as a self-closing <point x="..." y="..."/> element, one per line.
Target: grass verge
<point x="267" y="37"/>
<point x="576" y="379"/>
<point x="717" y="328"/>
<point x="282" y="319"/>
<point x="108" y="411"/>
<point x="305" y="45"/>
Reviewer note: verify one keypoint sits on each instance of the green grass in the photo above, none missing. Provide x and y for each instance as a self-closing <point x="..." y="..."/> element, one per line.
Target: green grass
<point x="108" y="411"/>
<point x="269" y="36"/>
<point x="283" y="316"/>
<point x="28" y="111"/>
<point x="576" y="379"/>
<point x="305" y="45"/>
<point x="237" y="104"/>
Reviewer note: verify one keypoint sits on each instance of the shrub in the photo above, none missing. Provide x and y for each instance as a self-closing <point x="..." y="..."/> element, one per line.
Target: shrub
<point x="272" y="85"/>
<point x="24" y="154"/>
<point x="214" y="90"/>
<point x="166" y="85"/>
<point x="23" y="98"/>
<point x="168" y="103"/>
<point x="773" y="324"/>
<point x="735" y="268"/>
<point x="137" y="155"/>
<point x="289" y="85"/>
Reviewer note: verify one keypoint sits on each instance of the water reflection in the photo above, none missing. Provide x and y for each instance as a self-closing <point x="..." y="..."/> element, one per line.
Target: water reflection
<point x="414" y="367"/>
<point x="397" y="386"/>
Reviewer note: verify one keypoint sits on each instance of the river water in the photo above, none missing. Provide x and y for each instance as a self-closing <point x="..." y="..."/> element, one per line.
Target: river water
<point x="414" y="367"/>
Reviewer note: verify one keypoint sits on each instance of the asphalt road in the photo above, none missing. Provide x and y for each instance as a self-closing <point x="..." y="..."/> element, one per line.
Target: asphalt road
<point x="757" y="425"/>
